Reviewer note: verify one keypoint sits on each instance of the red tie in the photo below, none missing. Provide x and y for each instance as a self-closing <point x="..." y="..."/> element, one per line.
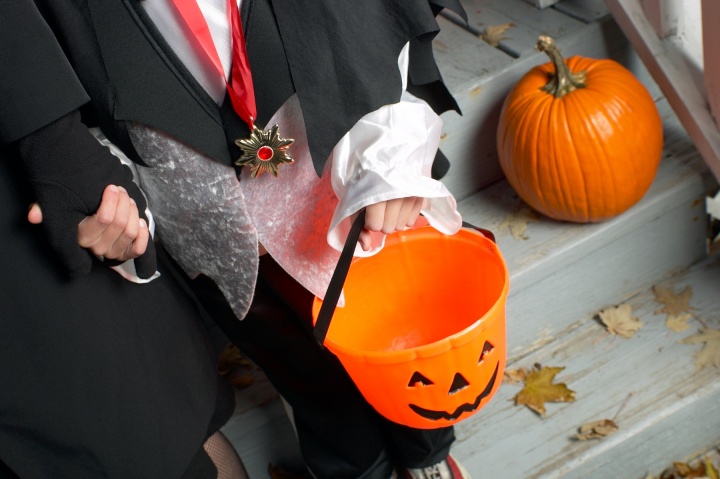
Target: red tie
<point x="240" y="88"/>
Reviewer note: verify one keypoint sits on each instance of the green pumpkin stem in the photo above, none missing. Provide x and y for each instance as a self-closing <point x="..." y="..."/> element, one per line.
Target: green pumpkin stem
<point x="563" y="81"/>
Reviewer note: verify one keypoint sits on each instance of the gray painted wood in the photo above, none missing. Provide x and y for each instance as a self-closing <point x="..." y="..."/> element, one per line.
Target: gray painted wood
<point x="674" y="410"/>
<point x="585" y="10"/>
<point x="463" y="57"/>
<point x="262" y="436"/>
<point x="529" y="22"/>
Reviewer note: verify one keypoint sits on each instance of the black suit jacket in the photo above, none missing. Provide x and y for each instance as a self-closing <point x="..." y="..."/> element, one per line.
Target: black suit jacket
<point x="339" y="56"/>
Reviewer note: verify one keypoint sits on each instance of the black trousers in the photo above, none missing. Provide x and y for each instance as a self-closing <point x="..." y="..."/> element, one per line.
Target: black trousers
<point x="340" y="434"/>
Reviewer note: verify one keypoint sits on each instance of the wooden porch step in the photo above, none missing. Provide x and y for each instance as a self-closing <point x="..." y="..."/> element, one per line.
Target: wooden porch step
<point x="561" y="275"/>
<point x="666" y="410"/>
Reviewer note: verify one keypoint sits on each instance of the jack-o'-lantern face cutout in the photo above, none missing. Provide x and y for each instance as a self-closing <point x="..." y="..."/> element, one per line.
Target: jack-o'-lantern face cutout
<point x="462" y="382"/>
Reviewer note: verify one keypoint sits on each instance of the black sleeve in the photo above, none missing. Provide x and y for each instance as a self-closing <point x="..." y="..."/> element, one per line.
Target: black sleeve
<point x="67" y="168"/>
<point x="37" y="84"/>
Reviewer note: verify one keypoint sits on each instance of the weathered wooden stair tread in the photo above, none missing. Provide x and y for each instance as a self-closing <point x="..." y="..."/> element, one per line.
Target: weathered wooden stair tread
<point x="525" y="23"/>
<point x="674" y="410"/>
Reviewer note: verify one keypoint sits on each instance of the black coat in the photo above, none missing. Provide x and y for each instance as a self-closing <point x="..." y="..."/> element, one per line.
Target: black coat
<point x="99" y="377"/>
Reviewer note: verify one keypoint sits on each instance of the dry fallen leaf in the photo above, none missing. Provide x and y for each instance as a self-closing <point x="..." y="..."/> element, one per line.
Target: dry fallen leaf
<point x="494" y="34"/>
<point x="596" y="429"/>
<point x="710" y="470"/>
<point x="678" y="322"/>
<point x="682" y="470"/>
<point x="674" y="304"/>
<point x="240" y="381"/>
<point x="517" y="222"/>
<point x="515" y="376"/>
<point x="233" y="367"/>
<point x="539" y="389"/>
<point x="712" y="206"/>
<point x="277" y="472"/>
<point x="620" y="320"/>
<point x="710" y="353"/>
<point x="229" y="358"/>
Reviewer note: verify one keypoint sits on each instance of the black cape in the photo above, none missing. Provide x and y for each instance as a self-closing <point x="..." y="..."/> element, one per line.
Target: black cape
<point x="339" y="56"/>
<point x="99" y="377"/>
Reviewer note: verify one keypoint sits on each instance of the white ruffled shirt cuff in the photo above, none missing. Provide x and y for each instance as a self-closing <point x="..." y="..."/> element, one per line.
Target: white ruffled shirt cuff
<point x="388" y="154"/>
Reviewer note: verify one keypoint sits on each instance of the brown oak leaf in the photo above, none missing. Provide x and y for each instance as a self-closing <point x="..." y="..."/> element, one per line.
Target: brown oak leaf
<point x="620" y="321"/>
<point x="517" y="222"/>
<point x="539" y="389"/>
<point x="494" y="34"/>
<point x="596" y="429"/>
<point x="710" y="353"/>
<point x="674" y="304"/>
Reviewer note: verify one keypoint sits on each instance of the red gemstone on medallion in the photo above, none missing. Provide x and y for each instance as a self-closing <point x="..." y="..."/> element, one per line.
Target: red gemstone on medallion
<point x="265" y="153"/>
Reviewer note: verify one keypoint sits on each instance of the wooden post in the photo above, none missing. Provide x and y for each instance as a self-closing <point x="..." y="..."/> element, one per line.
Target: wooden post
<point x="654" y="15"/>
<point x="711" y="55"/>
<point x="662" y="15"/>
<point x="671" y="74"/>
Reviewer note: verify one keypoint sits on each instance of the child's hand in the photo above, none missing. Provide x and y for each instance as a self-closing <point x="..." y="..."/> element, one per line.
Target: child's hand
<point x="116" y="230"/>
<point x="389" y="217"/>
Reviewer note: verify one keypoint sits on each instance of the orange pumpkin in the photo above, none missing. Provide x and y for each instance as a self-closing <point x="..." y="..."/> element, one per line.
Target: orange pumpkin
<point x="579" y="141"/>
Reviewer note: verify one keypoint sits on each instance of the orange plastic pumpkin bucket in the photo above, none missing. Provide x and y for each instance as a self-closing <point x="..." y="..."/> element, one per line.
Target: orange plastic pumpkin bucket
<point x="422" y="332"/>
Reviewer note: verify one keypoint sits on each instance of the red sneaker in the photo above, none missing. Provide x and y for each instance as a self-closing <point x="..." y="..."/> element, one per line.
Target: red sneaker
<point x="448" y="468"/>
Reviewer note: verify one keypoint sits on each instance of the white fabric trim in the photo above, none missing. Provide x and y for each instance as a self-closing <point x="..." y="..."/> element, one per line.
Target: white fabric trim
<point x="127" y="269"/>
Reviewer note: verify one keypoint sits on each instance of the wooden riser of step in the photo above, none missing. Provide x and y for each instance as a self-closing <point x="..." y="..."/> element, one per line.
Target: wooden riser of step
<point x="670" y="412"/>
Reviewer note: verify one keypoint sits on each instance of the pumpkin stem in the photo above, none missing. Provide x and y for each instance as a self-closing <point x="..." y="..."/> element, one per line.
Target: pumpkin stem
<point x="564" y="81"/>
